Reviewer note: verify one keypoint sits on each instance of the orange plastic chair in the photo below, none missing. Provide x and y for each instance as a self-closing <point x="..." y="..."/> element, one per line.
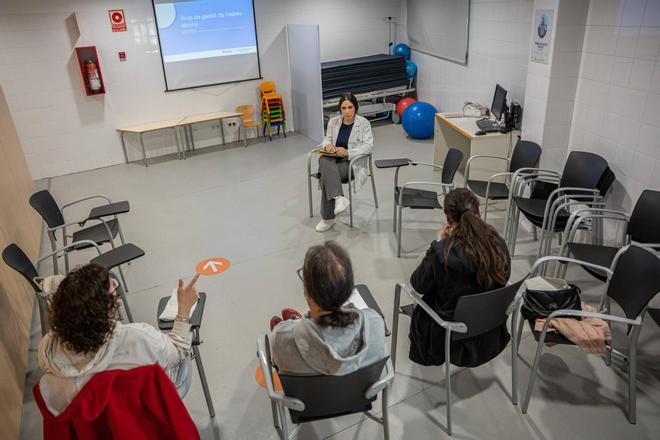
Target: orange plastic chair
<point x="267" y="87"/>
<point x="246" y="112"/>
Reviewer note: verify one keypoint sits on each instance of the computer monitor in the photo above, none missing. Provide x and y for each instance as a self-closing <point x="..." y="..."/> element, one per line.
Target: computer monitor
<point x="499" y="103"/>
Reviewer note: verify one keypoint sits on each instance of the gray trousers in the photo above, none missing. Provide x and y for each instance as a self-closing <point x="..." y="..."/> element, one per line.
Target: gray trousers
<point x="333" y="171"/>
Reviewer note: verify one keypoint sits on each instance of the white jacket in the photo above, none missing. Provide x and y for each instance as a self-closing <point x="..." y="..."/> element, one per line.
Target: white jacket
<point x="361" y="141"/>
<point x="130" y="346"/>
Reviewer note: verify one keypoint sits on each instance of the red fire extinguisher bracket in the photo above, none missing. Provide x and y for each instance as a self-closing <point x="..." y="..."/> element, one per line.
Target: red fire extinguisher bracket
<point x="90" y="70"/>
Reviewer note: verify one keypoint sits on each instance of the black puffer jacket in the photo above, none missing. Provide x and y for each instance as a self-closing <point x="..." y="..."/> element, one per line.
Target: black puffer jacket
<point x="441" y="285"/>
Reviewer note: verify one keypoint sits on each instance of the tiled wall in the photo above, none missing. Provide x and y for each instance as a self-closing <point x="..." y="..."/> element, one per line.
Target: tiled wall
<point x="617" y="110"/>
<point x="498" y="51"/>
<point x="64" y="131"/>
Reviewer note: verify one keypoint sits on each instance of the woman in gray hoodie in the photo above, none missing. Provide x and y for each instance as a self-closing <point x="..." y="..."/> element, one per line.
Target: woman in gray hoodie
<point x="333" y="339"/>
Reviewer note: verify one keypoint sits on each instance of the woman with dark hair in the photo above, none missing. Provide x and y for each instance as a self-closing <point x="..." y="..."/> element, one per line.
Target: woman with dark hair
<point x="348" y="135"/>
<point x="86" y="338"/>
<point x="469" y="258"/>
<point x="334" y="339"/>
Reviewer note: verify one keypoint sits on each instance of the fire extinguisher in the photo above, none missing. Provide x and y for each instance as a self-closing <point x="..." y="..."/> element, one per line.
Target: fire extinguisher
<point x="93" y="78"/>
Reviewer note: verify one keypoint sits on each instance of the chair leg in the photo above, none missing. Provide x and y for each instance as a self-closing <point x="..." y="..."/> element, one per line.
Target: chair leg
<point x="309" y="195"/>
<point x="373" y="182"/>
<point x="386" y="416"/>
<point x="394" y="216"/>
<point x="514" y="233"/>
<point x="398" y="245"/>
<point x="124" y="299"/>
<point x="350" y="202"/>
<point x="448" y="379"/>
<point x="202" y="377"/>
<point x="632" y="376"/>
<point x="532" y="377"/>
<point x="534" y="233"/>
<point x="514" y="356"/>
<point x="395" y="324"/>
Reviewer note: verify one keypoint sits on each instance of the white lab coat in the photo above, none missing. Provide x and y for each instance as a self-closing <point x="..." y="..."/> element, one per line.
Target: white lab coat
<point x="361" y="141"/>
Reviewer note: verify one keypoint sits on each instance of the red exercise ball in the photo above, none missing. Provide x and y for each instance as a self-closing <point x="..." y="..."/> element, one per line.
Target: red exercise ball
<point x="403" y="104"/>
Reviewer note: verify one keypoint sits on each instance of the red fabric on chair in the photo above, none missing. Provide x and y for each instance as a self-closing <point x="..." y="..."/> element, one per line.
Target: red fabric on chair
<point x="141" y="403"/>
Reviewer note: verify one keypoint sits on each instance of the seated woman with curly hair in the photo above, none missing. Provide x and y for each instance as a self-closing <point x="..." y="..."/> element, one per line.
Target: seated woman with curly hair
<point x="86" y="338"/>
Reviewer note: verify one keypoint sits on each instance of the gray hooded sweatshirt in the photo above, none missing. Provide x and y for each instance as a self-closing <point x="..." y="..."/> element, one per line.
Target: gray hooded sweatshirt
<point x="304" y="347"/>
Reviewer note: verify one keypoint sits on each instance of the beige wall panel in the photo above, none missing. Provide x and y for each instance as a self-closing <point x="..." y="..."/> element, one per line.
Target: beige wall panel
<point x="21" y="225"/>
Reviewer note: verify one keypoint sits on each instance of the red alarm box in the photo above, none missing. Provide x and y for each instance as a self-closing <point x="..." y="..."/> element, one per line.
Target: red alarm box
<point x="90" y="70"/>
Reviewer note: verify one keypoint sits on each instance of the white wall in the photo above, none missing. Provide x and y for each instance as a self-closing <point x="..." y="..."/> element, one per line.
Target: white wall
<point x="63" y="131"/>
<point x="498" y="50"/>
<point x="617" y="110"/>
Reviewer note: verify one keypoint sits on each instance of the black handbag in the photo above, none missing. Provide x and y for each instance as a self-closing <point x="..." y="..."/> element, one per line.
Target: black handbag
<point x="541" y="303"/>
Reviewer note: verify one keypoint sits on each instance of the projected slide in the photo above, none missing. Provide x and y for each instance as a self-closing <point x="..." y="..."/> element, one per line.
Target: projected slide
<point x="207" y="42"/>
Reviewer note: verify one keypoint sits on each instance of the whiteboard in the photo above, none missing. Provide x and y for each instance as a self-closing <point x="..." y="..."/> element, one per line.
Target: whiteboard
<point x="439" y="28"/>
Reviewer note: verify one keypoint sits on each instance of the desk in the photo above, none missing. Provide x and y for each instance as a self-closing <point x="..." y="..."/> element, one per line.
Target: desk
<point x="171" y="124"/>
<point x="187" y="123"/>
<point x="459" y="133"/>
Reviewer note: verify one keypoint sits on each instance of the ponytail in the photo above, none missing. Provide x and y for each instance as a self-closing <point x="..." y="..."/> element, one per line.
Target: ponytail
<point x="337" y="318"/>
<point x="479" y="240"/>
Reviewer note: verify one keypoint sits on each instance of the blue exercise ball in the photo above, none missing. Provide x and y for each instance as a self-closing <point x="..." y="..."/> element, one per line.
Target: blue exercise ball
<point x="402" y="50"/>
<point x="418" y="120"/>
<point x="411" y="68"/>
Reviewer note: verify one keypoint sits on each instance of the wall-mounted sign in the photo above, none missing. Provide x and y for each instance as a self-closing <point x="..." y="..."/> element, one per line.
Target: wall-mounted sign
<point x="542" y="35"/>
<point x="122" y="56"/>
<point x="117" y="20"/>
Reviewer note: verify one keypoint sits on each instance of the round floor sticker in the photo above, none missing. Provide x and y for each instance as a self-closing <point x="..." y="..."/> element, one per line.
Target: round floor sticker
<point x="212" y="266"/>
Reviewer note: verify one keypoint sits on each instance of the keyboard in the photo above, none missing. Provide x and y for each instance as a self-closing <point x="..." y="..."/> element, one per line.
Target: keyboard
<point x="488" y="126"/>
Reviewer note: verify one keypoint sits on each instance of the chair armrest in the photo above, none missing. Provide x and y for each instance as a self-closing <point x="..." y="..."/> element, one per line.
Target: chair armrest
<point x="580" y="215"/>
<point x="195" y="319"/>
<point x="99" y="196"/>
<point x="583" y="314"/>
<point x="439" y="167"/>
<point x="263" y="353"/>
<point x="540" y="261"/>
<point x="76" y="222"/>
<point x="68" y="248"/>
<point x="459" y="327"/>
<point x="392" y="163"/>
<point x="382" y="383"/>
<point x="480" y="156"/>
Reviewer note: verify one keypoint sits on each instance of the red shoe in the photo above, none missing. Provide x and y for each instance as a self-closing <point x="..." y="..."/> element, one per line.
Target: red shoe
<point x="291" y="314"/>
<point x="274" y="321"/>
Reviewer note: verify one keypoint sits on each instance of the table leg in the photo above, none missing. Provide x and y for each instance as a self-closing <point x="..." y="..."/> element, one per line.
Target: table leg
<point x="144" y="154"/>
<point x="192" y="138"/>
<point x="123" y="145"/>
<point x="222" y="131"/>
<point x="184" y="142"/>
<point x="176" y="139"/>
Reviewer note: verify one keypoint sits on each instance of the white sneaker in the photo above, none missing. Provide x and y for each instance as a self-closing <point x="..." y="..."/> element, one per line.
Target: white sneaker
<point x="341" y="203"/>
<point x="325" y="225"/>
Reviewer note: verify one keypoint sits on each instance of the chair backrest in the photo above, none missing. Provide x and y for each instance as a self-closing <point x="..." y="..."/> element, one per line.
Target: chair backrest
<point x="485" y="311"/>
<point x="246" y="111"/>
<point x="636" y="279"/>
<point x="643" y="225"/>
<point x="267" y="87"/>
<point x="526" y="154"/>
<point x="586" y="170"/>
<point x="452" y="162"/>
<point x="331" y="396"/>
<point x="15" y="258"/>
<point x="44" y="203"/>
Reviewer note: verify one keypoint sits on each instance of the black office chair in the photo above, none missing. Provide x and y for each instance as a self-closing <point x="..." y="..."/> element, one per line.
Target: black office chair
<point x="632" y="281"/>
<point x="195" y="324"/>
<point x="526" y="154"/>
<point x="311" y="398"/>
<point x="415" y="198"/>
<point x="349" y="180"/>
<point x="640" y="227"/>
<point x="15" y="258"/>
<point x="474" y="315"/>
<point x="585" y="180"/>
<point x="103" y="232"/>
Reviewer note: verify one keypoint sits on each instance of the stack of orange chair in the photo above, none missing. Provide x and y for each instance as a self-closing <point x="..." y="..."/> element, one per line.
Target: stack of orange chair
<point x="272" y="109"/>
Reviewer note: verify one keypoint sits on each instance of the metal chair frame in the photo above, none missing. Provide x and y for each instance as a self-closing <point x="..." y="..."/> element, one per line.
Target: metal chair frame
<point x="559" y="200"/>
<point x="279" y="401"/>
<point x="350" y="180"/>
<point x="507" y="175"/>
<point x="398" y="220"/>
<point x="452" y="326"/>
<point x="604" y="314"/>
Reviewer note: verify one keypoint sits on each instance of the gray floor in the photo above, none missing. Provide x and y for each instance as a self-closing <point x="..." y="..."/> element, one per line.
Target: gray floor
<point x="250" y="205"/>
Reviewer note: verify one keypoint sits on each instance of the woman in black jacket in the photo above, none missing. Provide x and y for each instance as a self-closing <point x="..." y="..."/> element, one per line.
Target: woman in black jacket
<point x="469" y="258"/>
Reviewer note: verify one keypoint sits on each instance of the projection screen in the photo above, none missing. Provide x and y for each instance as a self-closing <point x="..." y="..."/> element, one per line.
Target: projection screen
<point x="207" y="42"/>
<point x="439" y="28"/>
